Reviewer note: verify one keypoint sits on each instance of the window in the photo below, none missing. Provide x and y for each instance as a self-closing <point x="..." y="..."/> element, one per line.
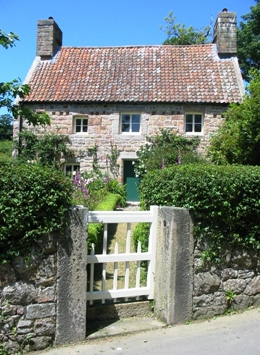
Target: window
<point x="194" y="123"/>
<point x="71" y="167"/>
<point x="130" y="122"/>
<point x="80" y="125"/>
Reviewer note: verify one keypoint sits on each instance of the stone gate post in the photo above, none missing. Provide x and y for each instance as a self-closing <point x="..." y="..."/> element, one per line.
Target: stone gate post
<point x="174" y="265"/>
<point x="72" y="279"/>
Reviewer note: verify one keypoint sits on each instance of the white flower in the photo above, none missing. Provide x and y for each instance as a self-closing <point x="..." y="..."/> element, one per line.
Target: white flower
<point x="74" y="172"/>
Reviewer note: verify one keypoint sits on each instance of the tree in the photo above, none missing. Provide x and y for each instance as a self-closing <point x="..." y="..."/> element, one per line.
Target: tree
<point x="6" y="127"/>
<point x="180" y="35"/>
<point x="238" y="139"/>
<point x="9" y="91"/>
<point x="44" y="148"/>
<point x="248" y="41"/>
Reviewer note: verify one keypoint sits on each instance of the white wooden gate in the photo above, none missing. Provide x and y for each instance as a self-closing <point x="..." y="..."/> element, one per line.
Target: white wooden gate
<point x="128" y="217"/>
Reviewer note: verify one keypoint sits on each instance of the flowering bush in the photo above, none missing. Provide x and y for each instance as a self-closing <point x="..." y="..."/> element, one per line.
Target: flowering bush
<point x="90" y="189"/>
<point x="165" y="149"/>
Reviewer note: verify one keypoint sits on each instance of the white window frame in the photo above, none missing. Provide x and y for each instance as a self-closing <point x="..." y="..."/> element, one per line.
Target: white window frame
<point x="75" y="166"/>
<point x="193" y="123"/>
<point x="131" y="124"/>
<point x="81" y="118"/>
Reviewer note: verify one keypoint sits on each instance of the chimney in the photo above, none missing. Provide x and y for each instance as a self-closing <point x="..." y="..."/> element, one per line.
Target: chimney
<point x="49" y="38"/>
<point x="225" y="34"/>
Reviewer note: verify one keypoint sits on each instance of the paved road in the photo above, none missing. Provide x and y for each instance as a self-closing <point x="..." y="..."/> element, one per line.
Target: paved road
<point x="237" y="334"/>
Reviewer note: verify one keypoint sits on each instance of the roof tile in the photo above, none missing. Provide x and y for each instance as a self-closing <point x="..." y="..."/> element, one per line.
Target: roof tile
<point x="140" y="74"/>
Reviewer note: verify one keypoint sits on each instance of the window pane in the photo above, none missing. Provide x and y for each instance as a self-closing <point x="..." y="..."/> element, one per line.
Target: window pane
<point x="68" y="169"/>
<point x="78" y="128"/>
<point x="197" y="127"/>
<point x="188" y="127"/>
<point x="198" y="119"/>
<point x="85" y="125"/>
<point x="189" y="118"/>
<point x="136" y="128"/>
<point x="135" y="118"/>
<point x="78" y="122"/>
<point x="125" y="127"/>
<point x="125" y="118"/>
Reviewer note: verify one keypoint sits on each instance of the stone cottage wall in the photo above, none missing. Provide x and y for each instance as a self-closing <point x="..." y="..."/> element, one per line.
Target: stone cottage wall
<point x="239" y="274"/>
<point x="104" y="126"/>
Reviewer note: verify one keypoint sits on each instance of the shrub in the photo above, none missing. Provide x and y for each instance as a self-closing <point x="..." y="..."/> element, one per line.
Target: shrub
<point x="114" y="187"/>
<point x="141" y="234"/>
<point x="165" y="149"/>
<point x="34" y="201"/>
<point x="6" y="151"/>
<point x="225" y="200"/>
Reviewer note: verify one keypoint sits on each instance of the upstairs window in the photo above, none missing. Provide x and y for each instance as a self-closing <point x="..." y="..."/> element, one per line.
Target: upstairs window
<point x="80" y="125"/>
<point x="130" y="123"/>
<point x="194" y="123"/>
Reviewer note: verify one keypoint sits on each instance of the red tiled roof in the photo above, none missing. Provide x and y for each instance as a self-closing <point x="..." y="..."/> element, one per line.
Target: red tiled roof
<point x="136" y="74"/>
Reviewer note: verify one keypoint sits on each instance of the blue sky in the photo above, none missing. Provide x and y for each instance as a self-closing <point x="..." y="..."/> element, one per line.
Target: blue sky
<point x="100" y="23"/>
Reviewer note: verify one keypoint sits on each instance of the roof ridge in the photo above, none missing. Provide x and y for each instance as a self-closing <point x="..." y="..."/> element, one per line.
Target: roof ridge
<point x="141" y="46"/>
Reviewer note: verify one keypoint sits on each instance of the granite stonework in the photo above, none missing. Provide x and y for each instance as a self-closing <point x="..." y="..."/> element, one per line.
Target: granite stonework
<point x="30" y="291"/>
<point x="28" y="299"/>
<point x="238" y="274"/>
<point x="104" y="126"/>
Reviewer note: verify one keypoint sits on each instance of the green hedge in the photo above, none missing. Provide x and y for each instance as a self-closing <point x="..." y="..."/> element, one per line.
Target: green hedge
<point x="33" y="202"/>
<point x="95" y="230"/>
<point x="225" y="200"/>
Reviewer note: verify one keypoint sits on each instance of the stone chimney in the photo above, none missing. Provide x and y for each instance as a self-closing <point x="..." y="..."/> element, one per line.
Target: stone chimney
<point x="49" y="38"/>
<point x="225" y="34"/>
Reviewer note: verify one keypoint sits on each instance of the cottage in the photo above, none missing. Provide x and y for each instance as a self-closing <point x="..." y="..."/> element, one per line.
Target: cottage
<point x="118" y="95"/>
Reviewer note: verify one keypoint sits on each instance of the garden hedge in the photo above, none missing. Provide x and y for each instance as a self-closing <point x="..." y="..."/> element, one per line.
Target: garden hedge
<point x="34" y="201"/>
<point x="225" y="200"/>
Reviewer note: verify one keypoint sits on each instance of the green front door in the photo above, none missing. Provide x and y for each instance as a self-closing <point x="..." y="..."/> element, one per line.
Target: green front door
<point x="131" y="181"/>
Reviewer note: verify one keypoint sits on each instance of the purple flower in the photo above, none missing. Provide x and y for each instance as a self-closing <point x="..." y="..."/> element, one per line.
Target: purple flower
<point x="179" y="158"/>
<point x="163" y="164"/>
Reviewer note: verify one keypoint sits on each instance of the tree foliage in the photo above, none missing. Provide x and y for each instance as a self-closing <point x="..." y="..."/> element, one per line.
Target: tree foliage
<point x="238" y="139"/>
<point x="248" y="41"/>
<point x="180" y="35"/>
<point x="9" y="91"/>
<point x="45" y="148"/>
<point x="6" y="127"/>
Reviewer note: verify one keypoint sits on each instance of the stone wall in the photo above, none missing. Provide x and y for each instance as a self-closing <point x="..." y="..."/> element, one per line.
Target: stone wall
<point x="104" y="126"/>
<point x="43" y="296"/>
<point x="186" y="287"/>
<point x="28" y="298"/>
<point x="239" y="275"/>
